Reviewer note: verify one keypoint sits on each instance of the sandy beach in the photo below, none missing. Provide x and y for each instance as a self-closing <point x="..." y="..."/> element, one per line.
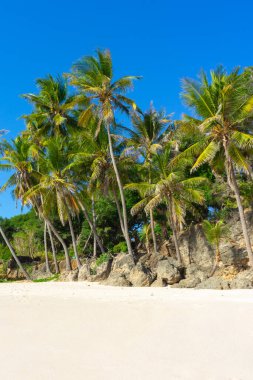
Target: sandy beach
<point x="68" y="331"/>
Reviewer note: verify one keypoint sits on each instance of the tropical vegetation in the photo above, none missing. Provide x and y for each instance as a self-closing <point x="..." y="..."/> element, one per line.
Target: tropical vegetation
<point x="96" y="185"/>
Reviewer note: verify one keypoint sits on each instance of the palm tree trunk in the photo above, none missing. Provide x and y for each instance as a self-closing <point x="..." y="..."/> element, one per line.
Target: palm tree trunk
<point x="174" y="232"/>
<point x="242" y="218"/>
<point x="67" y="259"/>
<point x="152" y="226"/>
<point x="216" y="263"/>
<point x="234" y="187"/>
<point x="79" y="264"/>
<point x="53" y="250"/>
<point x="119" y="212"/>
<point x="87" y="241"/>
<point x="27" y="276"/>
<point x="122" y="196"/>
<point x="94" y="224"/>
<point x="91" y="226"/>
<point x="45" y="247"/>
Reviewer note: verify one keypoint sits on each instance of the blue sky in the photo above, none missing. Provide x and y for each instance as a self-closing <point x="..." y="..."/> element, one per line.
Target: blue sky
<point x="161" y="40"/>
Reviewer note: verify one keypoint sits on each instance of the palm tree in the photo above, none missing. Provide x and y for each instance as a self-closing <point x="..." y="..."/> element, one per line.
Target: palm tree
<point x="54" y="185"/>
<point x="92" y="156"/>
<point x="148" y="134"/>
<point x="20" y="156"/>
<point x="53" y="108"/>
<point x="46" y="250"/>
<point x="93" y="76"/>
<point x="26" y="274"/>
<point x="57" y="270"/>
<point x="145" y="236"/>
<point x="214" y="234"/>
<point x="171" y="187"/>
<point x="223" y="110"/>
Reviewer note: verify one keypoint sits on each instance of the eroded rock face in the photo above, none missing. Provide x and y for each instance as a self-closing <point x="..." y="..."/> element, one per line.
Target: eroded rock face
<point x="189" y="282"/>
<point x="62" y="265"/>
<point x="69" y="275"/>
<point x="120" y="270"/>
<point x="168" y="271"/>
<point x="194" y="247"/>
<point x="117" y="278"/>
<point x="140" y="276"/>
<point x="214" y="283"/>
<point x="124" y="263"/>
<point x="84" y="273"/>
<point x="244" y="280"/>
<point x="101" y="272"/>
<point x="158" y="283"/>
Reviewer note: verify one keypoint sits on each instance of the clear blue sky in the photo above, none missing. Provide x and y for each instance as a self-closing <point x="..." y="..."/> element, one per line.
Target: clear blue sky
<point x="161" y="40"/>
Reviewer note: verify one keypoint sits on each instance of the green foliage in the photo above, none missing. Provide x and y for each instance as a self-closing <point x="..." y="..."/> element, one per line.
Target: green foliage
<point x="120" y="247"/>
<point x="103" y="258"/>
<point x="5" y="254"/>
<point x="48" y="279"/>
<point x="214" y="232"/>
<point x="174" y="172"/>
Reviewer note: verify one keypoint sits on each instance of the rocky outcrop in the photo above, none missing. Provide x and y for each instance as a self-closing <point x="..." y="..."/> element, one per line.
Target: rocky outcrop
<point x="140" y="276"/>
<point x="214" y="283"/>
<point x="117" y="279"/>
<point x="62" y="265"/>
<point x="101" y="272"/>
<point x="120" y="270"/>
<point x="69" y="275"/>
<point x="84" y="273"/>
<point x="168" y="271"/>
<point x="162" y="269"/>
<point x="244" y="280"/>
<point x="194" y="247"/>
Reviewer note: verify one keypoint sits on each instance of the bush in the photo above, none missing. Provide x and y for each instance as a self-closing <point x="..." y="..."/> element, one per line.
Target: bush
<point x="120" y="247"/>
<point x="102" y="259"/>
<point x="5" y="254"/>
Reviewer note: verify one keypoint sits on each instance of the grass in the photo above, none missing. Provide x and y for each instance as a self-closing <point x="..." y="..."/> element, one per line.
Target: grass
<point x="47" y="279"/>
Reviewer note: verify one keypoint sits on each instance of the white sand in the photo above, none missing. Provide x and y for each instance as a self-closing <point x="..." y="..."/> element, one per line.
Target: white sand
<point x="79" y="331"/>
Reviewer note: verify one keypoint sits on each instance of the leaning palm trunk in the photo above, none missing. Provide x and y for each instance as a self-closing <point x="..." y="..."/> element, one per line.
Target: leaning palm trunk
<point x="152" y="226"/>
<point x="234" y="187"/>
<point x="122" y="196"/>
<point x="174" y="232"/>
<point x="45" y="248"/>
<point x="94" y="224"/>
<point x="67" y="258"/>
<point x="217" y="260"/>
<point x="87" y="241"/>
<point x="119" y="213"/>
<point x="27" y="276"/>
<point x="79" y="264"/>
<point x="53" y="250"/>
<point x="151" y="215"/>
<point x="91" y="226"/>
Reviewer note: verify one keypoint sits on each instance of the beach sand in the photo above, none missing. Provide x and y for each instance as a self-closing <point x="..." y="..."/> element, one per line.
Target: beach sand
<point x="87" y="331"/>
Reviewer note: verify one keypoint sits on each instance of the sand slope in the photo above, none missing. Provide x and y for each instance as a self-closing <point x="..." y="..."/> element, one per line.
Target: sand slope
<point x="79" y="331"/>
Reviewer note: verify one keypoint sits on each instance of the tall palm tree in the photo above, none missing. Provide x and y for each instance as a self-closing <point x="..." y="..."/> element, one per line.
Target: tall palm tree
<point x="93" y="76"/>
<point x="101" y="175"/>
<point x="20" y="156"/>
<point x="52" y="108"/>
<point x="55" y="186"/>
<point x="147" y="135"/>
<point x="172" y="187"/>
<point x="223" y="110"/>
<point x="13" y="253"/>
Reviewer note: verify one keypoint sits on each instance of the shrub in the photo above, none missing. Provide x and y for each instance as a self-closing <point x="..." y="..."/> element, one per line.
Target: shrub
<point x="120" y="247"/>
<point x="102" y="259"/>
